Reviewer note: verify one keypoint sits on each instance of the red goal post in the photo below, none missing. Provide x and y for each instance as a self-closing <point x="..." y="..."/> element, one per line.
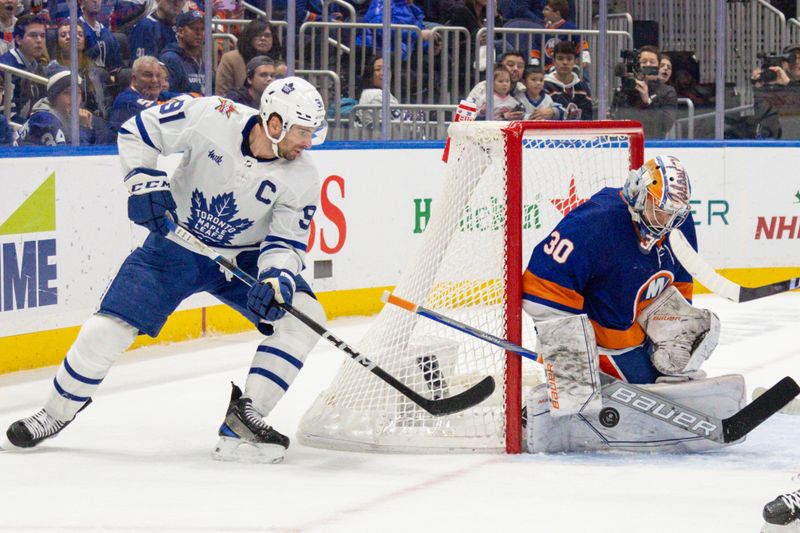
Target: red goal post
<point x="514" y="134"/>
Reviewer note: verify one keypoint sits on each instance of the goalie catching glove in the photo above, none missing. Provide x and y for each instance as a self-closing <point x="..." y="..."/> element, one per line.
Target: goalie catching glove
<point x="274" y="285"/>
<point x="150" y="199"/>
<point x="683" y="336"/>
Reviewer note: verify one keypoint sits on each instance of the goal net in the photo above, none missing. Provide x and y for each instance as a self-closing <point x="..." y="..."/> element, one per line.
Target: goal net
<point x="506" y="185"/>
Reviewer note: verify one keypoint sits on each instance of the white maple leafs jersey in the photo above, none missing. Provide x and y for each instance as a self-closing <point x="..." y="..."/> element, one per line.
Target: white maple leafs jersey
<point x="228" y="198"/>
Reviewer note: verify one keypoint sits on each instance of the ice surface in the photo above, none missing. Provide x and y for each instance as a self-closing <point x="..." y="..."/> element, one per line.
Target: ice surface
<point x="140" y="457"/>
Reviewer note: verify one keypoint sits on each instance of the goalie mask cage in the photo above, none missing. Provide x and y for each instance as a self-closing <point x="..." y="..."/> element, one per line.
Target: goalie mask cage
<point x="506" y="186"/>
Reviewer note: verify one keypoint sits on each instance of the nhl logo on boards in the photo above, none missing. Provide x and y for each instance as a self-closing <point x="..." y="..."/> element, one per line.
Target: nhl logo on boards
<point x="609" y="417"/>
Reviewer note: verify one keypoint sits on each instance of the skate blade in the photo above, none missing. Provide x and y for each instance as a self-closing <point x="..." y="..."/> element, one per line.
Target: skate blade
<point x="230" y="449"/>
<point x="791" y="527"/>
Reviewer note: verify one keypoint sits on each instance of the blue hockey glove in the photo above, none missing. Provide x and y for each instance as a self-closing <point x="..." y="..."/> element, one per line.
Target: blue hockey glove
<point x="150" y="199"/>
<point x="275" y="285"/>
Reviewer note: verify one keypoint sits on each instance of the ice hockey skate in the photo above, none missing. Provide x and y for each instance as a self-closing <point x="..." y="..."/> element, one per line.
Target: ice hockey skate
<point x="782" y="513"/>
<point x="30" y="431"/>
<point x="244" y="436"/>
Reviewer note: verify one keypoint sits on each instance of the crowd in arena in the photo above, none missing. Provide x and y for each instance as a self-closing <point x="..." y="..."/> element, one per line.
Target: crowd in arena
<point x="133" y="54"/>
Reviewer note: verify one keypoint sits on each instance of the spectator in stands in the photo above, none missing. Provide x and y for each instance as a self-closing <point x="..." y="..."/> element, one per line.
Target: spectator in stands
<point x="651" y="101"/>
<point x="514" y="62"/>
<point x="403" y="12"/>
<point x="95" y="79"/>
<point x="258" y="38"/>
<point x="305" y="11"/>
<point x="370" y="92"/>
<point x="472" y="16"/>
<point x="281" y="69"/>
<point x="8" y="9"/>
<point x="143" y="92"/>
<point x="154" y="32"/>
<point x="49" y="120"/>
<point x="260" y="73"/>
<point x="6" y="131"/>
<point x="101" y="45"/>
<point x="538" y="104"/>
<point x="505" y="105"/>
<point x="565" y="87"/>
<point x="30" y="55"/>
<point x="787" y="74"/>
<point x="556" y="13"/>
<point x="665" y="69"/>
<point x="440" y="11"/>
<point x="184" y="59"/>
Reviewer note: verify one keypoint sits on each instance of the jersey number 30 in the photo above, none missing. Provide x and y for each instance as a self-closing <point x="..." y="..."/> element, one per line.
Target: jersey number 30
<point x="558" y="248"/>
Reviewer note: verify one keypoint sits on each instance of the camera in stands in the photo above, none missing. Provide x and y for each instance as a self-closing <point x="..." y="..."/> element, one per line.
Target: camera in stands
<point x="770" y="60"/>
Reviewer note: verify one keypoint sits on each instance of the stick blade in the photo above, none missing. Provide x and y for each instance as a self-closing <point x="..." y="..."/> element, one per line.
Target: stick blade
<point x="462" y="401"/>
<point x="763" y="407"/>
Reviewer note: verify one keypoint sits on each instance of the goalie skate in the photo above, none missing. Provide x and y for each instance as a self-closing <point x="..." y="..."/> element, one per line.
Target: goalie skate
<point x="244" y="436"/>
<point x="783" y="513"/>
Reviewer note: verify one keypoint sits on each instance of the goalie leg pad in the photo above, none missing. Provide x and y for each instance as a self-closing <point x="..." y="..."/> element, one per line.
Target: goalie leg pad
<point x="618" y="427"/>
<point x="569" y="351"/>
<point x="101" y="341"/>
<point x="683" y="336"/>
<point x="280" y="357"/>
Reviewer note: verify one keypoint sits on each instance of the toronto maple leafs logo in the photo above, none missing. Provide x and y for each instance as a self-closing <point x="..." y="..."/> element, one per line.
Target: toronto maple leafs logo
<point x="288" y="88"/>
<point x="216" y="222"/>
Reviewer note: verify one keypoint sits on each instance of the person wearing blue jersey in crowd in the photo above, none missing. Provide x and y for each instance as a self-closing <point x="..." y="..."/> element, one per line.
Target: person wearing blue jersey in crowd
<point x="246" y="187"/>
<point x="144" y="91"/>
<point x="605" y="282"/>
<point x="154" y="32"/>
<point x="184" y="58"/>
<point x="101" y="45"/>
<point x="49" y="123"/>
<point x="29" y="54"/>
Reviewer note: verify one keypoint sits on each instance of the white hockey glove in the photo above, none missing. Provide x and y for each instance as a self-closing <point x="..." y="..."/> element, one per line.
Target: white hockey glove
<point x="683" y="336"/>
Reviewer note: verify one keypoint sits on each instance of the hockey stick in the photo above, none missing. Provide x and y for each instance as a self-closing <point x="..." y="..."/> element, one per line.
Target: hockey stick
<point x="464" y="400"/>
<point x="702" y="272"/>
<point x="791" y="408"/>
<point x="651" y="404"/>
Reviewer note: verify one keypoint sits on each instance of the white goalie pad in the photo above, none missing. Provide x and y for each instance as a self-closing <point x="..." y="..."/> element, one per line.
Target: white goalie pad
<point x="683" y="336"/>
<point x="569" y="354"/>
<point x="619" y="427"/>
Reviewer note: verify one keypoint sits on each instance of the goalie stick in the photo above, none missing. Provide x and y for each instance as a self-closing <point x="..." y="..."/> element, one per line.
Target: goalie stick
<point x="445" y="406"/>
<point x="702" y="272"/>
<point x="652" y="404"/>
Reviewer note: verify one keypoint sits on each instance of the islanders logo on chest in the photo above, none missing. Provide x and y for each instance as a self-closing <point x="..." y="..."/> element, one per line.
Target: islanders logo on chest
<point x="216" y="221"/>
<point x="650" y="289"/>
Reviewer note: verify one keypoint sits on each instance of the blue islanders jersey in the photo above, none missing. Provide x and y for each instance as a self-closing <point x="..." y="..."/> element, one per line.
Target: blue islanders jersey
<point x="591" y="263"/>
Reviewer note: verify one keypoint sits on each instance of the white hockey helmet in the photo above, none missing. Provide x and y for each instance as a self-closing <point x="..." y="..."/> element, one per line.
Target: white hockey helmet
<point x="296" y="102"/>
<point x="658" y="197"/>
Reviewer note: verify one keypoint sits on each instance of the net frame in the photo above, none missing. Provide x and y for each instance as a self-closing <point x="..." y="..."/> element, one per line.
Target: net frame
<point x="501" y="148"/>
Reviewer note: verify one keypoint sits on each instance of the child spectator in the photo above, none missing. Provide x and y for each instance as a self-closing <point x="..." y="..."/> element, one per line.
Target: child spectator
<point x="7" y="20"/>
<point x="538" y="104"/>
<point x="505" y="105"/>
<point x="556" y="13"/>
<point x="565" y="87"/>
<point x="258" y="38"/>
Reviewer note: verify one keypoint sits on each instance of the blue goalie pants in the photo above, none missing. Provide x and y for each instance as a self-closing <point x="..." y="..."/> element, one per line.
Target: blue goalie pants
<point x="159" y="275"/>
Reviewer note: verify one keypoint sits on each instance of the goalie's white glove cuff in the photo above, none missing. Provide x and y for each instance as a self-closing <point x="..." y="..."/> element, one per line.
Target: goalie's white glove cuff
<point x="143" y="180"/>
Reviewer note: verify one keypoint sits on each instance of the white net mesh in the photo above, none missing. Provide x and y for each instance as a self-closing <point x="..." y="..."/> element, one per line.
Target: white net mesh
<point x="460" y="272"/>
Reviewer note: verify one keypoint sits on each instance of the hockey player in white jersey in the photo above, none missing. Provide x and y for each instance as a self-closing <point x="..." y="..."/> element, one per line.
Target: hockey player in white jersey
<point x="245" y="187"/>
